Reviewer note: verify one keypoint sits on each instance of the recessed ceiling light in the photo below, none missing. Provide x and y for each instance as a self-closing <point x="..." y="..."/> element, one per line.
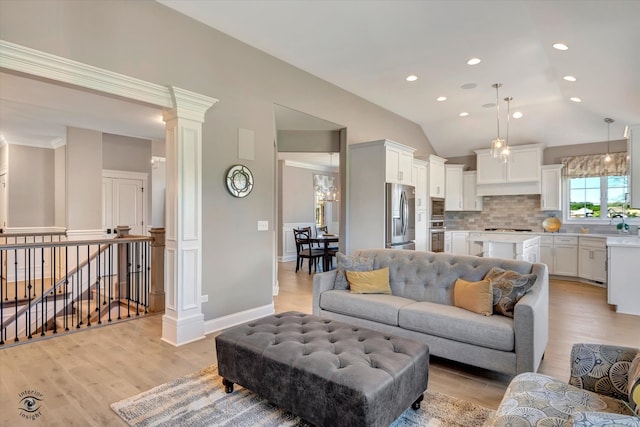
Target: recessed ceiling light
<point x="517" y="115"/>
<point x="575" y="99"/>
<point x="560" y="46"/>
<point x="463" y="114"/>
<point x="441" y="98"/>
<point x="569" y="78"/>
<point x="474" y="61"/>
<point x="412" y="78"/>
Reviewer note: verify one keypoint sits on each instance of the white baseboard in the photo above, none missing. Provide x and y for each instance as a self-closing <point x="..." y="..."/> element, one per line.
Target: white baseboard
<point x="225" y="322"/>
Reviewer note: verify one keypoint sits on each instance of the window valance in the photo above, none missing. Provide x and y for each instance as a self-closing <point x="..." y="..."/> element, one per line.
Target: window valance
<point x="594" y="165"/>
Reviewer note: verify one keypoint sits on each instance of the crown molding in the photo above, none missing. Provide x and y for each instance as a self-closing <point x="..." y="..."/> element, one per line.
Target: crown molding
<point x="30" y="61"/>
<point x="188" y="105"/>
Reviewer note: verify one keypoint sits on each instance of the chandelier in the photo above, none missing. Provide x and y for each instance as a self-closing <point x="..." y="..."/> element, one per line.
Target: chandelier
<point x="499" y="146"/>
<point x="325" y="188"/>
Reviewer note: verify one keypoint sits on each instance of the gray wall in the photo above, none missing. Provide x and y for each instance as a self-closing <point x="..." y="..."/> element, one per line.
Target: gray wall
<point x="124" y="37"/>
<point x="31" y="191"/>
<point x="126" y="153"/>
<point x="84" y="179"/>
<point x="60" y="192"/>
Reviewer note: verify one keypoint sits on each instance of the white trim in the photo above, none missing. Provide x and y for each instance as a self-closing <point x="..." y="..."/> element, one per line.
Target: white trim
<point x="224" y="322"/>
<point x="112" y="173"/>
<point x="302" y="165"/>
<point x="30" y="61"/>
<point x="85" y="234"/>
<point x="34" y="230"/>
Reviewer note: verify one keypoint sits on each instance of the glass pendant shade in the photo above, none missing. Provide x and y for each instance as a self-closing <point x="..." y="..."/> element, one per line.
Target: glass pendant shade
<point x="608" y="121"/>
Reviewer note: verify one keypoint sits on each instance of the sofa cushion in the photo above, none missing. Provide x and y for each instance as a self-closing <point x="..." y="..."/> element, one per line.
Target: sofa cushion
<point x="350" y="263"/>
<point x="540" y="400"/>
<point x="457" y="324"/>
<point x="377" y="307"/>
<point x="508" y="288"/>
<point x="474" y="296"/>
<point x="369" y="282"/>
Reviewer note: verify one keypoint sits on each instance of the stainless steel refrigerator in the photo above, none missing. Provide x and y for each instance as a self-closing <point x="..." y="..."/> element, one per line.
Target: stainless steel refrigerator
<point x="400" y="229"/>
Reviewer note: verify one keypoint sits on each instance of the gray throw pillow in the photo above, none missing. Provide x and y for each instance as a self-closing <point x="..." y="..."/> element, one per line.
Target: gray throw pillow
<point x="350" y="263"/>
<point x="508" y="287"/>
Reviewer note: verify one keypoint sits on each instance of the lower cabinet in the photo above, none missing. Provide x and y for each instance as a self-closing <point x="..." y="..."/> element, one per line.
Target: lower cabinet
<point x="560" y="253"/>
<point x="421" y="231"/>
<point x="456" y="242"/>
<point x="592" y="259"/>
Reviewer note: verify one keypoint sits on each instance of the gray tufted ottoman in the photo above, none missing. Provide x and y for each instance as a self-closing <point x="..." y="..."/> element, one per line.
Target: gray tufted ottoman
<point x="327" y="372"/>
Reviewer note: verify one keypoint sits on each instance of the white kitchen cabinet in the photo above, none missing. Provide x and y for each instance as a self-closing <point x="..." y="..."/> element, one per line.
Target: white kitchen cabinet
<point x="519" y="175"/>
<point x="368" y="173"/>
<point x="399" y="163"/>
<point x="422" y="230"/>
<point x="546" y="252"/>
<point x="475" y="245"/>
<point x="565" y="254"/>
<point x="551" y="188"/>
<point x="453" y="187"/>
<point x="470" y="199"/>
<point x="436" y="176"/>
<point x="592" y="259"/>
<point x="622" y="286"/>
<point x="420" y="183"/>
<point x="460" y="242"/>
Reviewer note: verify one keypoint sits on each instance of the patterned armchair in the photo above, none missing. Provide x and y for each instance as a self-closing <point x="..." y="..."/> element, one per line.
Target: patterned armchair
<point x="604" y="390"/>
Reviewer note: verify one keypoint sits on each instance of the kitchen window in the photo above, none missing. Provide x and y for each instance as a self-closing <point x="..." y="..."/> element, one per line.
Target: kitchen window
<point x="597" y="190"/>
<point x="598" y="197"/>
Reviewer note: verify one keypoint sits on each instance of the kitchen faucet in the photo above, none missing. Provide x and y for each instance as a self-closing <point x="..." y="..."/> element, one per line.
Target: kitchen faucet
<point x="622" y="226"/>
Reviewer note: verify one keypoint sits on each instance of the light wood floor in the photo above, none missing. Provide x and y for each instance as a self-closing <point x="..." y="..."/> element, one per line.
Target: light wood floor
<point x="81" y="374"/>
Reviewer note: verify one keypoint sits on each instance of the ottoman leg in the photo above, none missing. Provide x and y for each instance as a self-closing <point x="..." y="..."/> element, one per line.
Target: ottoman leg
<point x="416" y="405"/>
<point x="228" y="386"/>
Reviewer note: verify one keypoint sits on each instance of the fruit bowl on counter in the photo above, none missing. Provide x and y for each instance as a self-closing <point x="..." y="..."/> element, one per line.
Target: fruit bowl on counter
<point x="551" y="224"/>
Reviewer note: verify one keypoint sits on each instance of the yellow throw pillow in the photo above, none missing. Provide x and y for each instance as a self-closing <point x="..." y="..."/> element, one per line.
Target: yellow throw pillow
<point x="474" y="296"/>
<point x="369" y="282"/>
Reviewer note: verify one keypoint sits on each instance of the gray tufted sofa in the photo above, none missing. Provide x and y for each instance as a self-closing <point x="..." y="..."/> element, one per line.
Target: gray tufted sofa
<point x="421" y="308"/>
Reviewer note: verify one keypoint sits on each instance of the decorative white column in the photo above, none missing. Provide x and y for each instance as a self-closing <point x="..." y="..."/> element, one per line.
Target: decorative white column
<point x="183" y="321"/>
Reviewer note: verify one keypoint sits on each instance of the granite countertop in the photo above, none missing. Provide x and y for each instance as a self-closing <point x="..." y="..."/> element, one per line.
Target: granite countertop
<point x="505" y="237"/>
<point x="624" y="241"/>
<point x="544" y="233"/>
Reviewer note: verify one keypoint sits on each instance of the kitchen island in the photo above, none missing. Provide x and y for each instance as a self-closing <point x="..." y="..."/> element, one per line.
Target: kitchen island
<point x="623" y="253"/>
<point x="510" y="246"/>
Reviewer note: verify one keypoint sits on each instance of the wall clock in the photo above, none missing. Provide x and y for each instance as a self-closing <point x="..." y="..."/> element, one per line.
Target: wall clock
<point x="239" y="181"/>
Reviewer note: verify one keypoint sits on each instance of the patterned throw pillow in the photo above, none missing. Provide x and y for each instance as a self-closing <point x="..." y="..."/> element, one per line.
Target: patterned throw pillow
<point x="634" y="385"/>
<point x="350" y="263"/>
<point x="508" y="287"/>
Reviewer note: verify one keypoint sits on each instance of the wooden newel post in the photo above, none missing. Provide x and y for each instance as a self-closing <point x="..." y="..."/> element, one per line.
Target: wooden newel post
<point x="156" y="294"/>
<point x="122" y="231"/>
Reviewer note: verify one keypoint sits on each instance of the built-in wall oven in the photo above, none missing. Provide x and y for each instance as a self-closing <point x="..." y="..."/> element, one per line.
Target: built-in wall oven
<point x="436" y="225"/>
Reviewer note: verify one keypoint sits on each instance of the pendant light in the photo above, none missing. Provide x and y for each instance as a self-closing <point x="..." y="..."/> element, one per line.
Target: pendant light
<point x="497" y="145"/>
<point x="504" y="154"/>
<point x="608" y="121"/>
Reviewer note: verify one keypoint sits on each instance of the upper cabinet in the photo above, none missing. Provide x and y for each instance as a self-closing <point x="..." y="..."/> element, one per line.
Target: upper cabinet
<point x="470" y="199"/>
<point x="436" y="176"/>
<point x="551" y="188"/>
<point x="420" y="183"/>
<point x="519" y="175"/>
<point x="399" y="163"/>
<point x="454" y="188"/>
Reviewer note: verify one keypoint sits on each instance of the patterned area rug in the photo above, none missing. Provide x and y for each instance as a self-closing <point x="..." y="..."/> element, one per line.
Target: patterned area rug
<point x="199" y="399"/>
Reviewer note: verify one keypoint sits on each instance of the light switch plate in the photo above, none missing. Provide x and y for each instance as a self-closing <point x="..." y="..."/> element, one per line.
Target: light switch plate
<point x="204" y="298"/>
<point x="263" y="225"/>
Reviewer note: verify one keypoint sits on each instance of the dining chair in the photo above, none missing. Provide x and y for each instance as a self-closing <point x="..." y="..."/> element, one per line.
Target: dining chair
<point x="332" y="249"/>
<point x="306" y="249"/>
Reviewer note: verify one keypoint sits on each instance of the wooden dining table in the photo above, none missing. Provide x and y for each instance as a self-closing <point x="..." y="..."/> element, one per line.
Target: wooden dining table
<point x="325" y="240"/>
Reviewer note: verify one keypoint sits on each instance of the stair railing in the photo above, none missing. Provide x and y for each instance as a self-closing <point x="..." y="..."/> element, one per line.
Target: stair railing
<point x="86" y="282"/>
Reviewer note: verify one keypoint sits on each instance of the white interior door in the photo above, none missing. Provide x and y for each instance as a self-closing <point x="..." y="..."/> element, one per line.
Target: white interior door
<point x="123" y="204"/>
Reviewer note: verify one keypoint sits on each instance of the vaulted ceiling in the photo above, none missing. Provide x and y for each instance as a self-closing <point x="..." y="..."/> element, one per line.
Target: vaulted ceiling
<point x="370" y="47"/>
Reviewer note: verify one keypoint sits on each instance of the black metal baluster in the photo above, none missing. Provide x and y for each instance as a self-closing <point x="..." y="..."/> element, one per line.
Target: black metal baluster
<point x="45" y="301"/>
<point x="54" y="279"/>
<point x="15" y="281"/>
<point x="128" y="258"/>
<point x="98" y="286"/>
<point x="66" y="288"/>
<point x="88" y="285"/>
<point x="2" y="330"/>
<point x="78" y="288"/>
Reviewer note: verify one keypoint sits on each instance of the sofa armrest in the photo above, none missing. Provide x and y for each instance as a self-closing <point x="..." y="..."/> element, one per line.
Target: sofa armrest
<point x="322" y="282"/>
<point x="531" y="322"/>
<point x="591" y="363"/>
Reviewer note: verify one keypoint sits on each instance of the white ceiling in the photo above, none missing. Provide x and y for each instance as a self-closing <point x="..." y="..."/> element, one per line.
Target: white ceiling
<point x="35" y="112"/>
<point x="369" y="47"/>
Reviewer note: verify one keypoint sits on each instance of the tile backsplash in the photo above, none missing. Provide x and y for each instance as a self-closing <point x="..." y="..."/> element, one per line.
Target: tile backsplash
<point x="521" y="211"/>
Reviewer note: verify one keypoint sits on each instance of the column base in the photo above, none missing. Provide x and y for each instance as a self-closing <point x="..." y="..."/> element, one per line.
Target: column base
<point x="182" y="331"/>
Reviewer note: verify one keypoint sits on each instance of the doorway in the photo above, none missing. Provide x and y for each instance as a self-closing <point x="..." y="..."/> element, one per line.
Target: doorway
<point x="123" y="202"/>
